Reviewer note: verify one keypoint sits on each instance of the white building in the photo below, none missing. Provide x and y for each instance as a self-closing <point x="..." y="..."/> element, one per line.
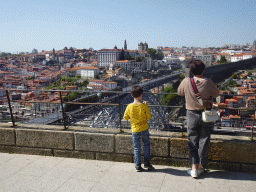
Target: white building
<point x="89" y="72"/>
<point x="248" y="55"/>
<point x="182" y="58"/>
<point x="101" y="84"/>
<point x="85" y="72"/>
<point x="237" y="57"/>
<point x="82" y="64"/>
<point x="96" y="82"/>
<point x="61" y="59"/>
<point x="95" y="87"/>
<point x="109" y="85"/>
<point x="108" y="56"/>
<point x="232" y="51"/>
<point x="126" y="64"/>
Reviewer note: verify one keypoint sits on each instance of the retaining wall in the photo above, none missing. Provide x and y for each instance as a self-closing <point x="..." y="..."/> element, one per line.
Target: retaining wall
<point x="232" y="153"/>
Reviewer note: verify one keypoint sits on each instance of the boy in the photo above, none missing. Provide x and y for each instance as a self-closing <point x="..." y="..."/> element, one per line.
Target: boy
<point x="138" y="113"/>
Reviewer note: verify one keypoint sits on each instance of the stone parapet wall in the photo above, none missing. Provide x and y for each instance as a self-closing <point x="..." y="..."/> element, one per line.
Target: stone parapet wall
<point x="167" y="148"/>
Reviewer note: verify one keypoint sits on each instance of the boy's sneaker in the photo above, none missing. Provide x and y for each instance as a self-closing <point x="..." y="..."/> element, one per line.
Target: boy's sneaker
<point x="148" y="166"/>
<point x="193" y="173"/>
<point x="139" y="168"/>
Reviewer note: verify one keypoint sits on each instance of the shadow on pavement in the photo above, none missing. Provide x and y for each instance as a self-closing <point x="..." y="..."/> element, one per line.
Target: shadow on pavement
<point x="214" y="174"/>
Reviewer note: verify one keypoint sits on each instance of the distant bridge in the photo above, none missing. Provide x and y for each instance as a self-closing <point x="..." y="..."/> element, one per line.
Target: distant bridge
<point x="108" y="115"/>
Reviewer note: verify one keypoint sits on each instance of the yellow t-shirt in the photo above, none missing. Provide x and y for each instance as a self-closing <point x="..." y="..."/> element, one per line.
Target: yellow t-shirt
<point x="138" y="114"/>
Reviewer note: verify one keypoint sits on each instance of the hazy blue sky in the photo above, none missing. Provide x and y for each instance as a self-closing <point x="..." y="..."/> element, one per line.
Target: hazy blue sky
<point x="47" y="24"/>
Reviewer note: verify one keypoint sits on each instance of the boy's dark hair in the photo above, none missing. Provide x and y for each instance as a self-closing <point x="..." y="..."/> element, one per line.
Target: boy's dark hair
<point x="136" y="91"/>
<point x="196" y="67"/>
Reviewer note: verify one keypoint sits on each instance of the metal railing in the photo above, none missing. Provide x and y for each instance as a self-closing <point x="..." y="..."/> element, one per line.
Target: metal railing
<point x="89" y="111"/>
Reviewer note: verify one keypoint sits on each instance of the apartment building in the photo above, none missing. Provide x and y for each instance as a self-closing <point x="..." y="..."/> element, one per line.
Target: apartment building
<point x="101" y="84"/>
<point x="126" y="64"/>
<point x="108" y="56"/>
<point x="85" y="72"/>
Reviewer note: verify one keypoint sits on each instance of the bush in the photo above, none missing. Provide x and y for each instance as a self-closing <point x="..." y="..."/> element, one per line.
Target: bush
<point x="71" y="96"/>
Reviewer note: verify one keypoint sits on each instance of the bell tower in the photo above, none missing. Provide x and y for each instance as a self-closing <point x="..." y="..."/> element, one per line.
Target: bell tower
<point x="125" y="45"/>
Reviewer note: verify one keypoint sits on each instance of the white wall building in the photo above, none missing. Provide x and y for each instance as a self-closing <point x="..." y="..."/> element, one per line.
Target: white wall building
<point x="108" y="56"/>
<point x="82" y="64"/>
<point x="110" y="85"/>
<point x="248" y="55"/>
<point x="89" y="72"/>
<point x="101" y="84"/>
<point x="237" y="57"/>
<point x="182" y="58"/>
<point x="126" y="64"/>
<point x="232" y="51"/>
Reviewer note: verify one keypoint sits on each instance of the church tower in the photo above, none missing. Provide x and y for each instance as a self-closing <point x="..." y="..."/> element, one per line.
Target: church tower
<point x="145" y="46"/>
<point x="53" y="52"/>
<point x="125" y="45"/>
<point x="254" y="45"/>
<point x="140" y="46"/>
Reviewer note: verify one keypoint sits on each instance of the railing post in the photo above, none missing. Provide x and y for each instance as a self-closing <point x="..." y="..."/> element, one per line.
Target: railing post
<point x="163" y="99"/>
<point x="10" y="107"/>
<point x="120" y="118"/>
<point x="63" y="114"/>
<point x="253" y="123"/>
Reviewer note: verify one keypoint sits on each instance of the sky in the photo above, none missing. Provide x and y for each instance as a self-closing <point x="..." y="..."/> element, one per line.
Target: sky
<point x="48" y="24"/>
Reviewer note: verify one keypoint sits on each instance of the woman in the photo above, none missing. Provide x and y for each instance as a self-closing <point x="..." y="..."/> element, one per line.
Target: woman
<point x="198" y="131"/>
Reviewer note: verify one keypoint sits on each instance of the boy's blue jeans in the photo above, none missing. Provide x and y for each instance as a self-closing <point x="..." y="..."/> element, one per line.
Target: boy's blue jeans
<point x="136" y="138"/>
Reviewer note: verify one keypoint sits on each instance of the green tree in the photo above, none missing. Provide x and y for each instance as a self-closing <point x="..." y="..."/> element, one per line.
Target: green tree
<point x="71" y="96"/>
<point x="223" y="59"/>
<point x="182" y="76"/>
<point x="61" y="87"/>
<point x="84" y="83"/>
<point x="170" y="96"/>
<point x="138" y="59"/>
<point x="96" y="77"/>
<point x="49" y="87"/>
<point x="31" y="77"/>
<point x="160" y="55"/>
<point x="234" y="76"/>
<point x="128" y="56"/>
<point x="152" y="53"/>
<point x="122" y="55"/>
<point x="250" y="73"/>
<point x="233" y="83"/>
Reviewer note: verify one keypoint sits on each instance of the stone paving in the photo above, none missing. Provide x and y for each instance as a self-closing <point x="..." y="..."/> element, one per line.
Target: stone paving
<point x="19" y="172"/>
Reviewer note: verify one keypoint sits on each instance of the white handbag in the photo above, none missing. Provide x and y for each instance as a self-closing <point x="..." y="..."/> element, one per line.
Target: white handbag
<point x="207" y="115"/>
<point x="210" y="116"/>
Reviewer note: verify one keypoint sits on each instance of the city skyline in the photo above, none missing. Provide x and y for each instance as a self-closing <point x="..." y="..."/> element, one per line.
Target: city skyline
<point x="103" y="24"/>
